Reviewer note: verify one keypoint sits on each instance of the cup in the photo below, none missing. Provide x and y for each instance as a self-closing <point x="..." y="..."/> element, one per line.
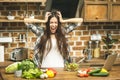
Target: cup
<point x="18" y="73"/>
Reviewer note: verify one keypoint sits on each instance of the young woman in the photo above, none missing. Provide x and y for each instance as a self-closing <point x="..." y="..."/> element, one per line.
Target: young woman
<point x="51" y="49"/>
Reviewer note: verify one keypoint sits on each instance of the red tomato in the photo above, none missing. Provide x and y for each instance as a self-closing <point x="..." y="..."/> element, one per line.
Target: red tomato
<point x="81" y="75"/>
<point x="86" y="75"/>
<point x="88" y="70"/>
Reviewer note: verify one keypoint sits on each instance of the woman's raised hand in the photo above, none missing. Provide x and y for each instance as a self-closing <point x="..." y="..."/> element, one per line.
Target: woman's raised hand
<point x="60" y="16"/>
<point x="47" y="15"/>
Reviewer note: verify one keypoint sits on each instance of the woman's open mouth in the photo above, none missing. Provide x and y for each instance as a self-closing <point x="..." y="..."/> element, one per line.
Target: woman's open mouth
<point x="53" y="30"/>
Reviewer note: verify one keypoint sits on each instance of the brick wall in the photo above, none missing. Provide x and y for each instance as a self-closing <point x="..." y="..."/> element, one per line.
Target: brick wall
<point x="78" y="39"/>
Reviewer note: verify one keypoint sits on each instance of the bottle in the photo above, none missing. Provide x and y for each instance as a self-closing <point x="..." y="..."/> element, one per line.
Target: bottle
<point x="97" y="50"/>
<point x="90" y="50"/>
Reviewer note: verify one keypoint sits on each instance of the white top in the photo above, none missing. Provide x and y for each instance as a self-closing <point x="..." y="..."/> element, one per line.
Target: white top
<point x="53" y="58"/>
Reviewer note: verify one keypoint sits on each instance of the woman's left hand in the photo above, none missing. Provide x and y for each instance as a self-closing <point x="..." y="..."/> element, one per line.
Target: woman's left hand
<point x="60" y="16"/>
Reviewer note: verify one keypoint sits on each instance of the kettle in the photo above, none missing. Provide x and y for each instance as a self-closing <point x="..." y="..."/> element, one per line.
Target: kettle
<point x="19" y="54"/>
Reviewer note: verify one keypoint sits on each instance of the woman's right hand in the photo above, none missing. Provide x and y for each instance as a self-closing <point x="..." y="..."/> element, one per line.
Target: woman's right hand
<point x="47" y="15"/>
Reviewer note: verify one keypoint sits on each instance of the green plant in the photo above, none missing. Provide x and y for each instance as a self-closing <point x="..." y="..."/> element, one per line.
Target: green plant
<point x="109" y="41"/>
<point x="19" y="66"/>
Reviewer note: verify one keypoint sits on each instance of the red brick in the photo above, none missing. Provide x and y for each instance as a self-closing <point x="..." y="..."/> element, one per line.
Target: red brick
<point x="116" y="32"/>
<point x="5" y="45"/>
<point x="21" y="44"/>
<point x="78" y="48"/>
<point x="77" y="33"/>
<point x="85" y="32"/>
<point x="15" y="34"/>
<point x="85" y="43"/>
<point x="82" y="28"/>
<point x="32" y="7"/>
<point x="93" y="32"/>
<point x="13" y="44"/>
<point x="71" y="43"/>
<point x="6" y="34"/>
<point x="101" y="32"/>
<point x="73" y="38"/>
<point x="78" y="43"/>
<point x="13" y="8"/>
<point x="5" y="24"/>
<point x="85" y="38"/>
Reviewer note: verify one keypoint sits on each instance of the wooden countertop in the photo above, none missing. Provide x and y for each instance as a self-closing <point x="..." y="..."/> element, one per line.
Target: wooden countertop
<point x="99" y="62"/>
<point x="93" y="62"/>
<point x="66" y="75"/>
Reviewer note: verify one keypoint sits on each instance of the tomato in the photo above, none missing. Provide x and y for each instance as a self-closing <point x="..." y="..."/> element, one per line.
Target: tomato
<point x="81" y="75"/>
<point x="87" y="70"/>
<point x="86" y="75"/>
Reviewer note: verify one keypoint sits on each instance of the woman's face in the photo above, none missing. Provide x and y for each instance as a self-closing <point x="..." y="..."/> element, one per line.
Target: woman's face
<point x="53" y="24"/>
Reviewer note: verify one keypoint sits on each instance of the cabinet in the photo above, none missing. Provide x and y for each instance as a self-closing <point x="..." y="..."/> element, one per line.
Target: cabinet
<point x="101" y="10"/>
<point x="115" y="11"/>
<point x="17" y="18"/>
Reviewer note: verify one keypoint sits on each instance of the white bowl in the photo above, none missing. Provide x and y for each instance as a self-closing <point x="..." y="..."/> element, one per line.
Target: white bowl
<point x="11" y="17"/>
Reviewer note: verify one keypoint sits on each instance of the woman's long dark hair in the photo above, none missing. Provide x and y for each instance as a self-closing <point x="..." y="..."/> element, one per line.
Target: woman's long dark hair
<point x="60" y="37"/>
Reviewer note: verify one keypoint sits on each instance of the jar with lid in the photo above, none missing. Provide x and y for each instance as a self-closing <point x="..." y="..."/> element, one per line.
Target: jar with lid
<point x="97" y="50"/>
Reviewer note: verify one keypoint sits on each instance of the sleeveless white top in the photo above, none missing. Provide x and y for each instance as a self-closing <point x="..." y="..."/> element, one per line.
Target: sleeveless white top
<point x="53" y="58"/>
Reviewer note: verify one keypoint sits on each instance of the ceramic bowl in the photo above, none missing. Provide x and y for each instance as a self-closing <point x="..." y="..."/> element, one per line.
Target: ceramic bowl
<point x="10" y="17"/>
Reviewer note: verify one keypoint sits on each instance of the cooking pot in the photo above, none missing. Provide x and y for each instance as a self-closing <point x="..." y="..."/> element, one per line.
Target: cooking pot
<point x="19" y="54"/>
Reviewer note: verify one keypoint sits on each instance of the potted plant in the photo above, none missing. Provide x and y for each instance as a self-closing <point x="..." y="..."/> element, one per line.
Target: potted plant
<point x="109" y="42"/>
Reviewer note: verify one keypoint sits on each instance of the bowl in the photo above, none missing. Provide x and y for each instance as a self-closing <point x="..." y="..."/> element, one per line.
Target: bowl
<point x="10" y="17"/>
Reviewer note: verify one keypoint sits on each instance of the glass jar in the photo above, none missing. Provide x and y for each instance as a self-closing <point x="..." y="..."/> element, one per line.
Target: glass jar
<point x="97" y="50"/>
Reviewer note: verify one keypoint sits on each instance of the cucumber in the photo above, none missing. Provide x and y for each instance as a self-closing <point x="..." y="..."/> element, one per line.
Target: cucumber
<point x="94" y="71"/>
<point x="100" y="74"/>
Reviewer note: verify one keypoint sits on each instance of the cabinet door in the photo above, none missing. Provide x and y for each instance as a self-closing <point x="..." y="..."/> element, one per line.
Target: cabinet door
<point x="95" y="11"/>
<point x="115" y="11"/>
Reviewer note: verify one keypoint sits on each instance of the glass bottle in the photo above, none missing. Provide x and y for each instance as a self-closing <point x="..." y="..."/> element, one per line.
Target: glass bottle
<point x="90" y="50"/>
<point x="97" y="50"/>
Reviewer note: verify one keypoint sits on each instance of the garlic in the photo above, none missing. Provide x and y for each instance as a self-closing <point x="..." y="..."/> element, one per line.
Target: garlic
<point x="43" y="76"/>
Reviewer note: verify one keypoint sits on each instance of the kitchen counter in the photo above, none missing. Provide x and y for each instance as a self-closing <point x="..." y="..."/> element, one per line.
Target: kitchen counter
<point x="66" y="75"/>
<point x="99" y="62"/>
<point x="93" y="62"/>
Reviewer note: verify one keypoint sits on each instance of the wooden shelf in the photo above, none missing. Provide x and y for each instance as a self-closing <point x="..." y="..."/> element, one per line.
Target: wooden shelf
<point x="42" y="1"/>
<point x="15" y="20"/>
<point x="22" y="0"/>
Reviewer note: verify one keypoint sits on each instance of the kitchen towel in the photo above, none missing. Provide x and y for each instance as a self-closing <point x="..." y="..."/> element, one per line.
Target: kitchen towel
<point x="1" y="53"/>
